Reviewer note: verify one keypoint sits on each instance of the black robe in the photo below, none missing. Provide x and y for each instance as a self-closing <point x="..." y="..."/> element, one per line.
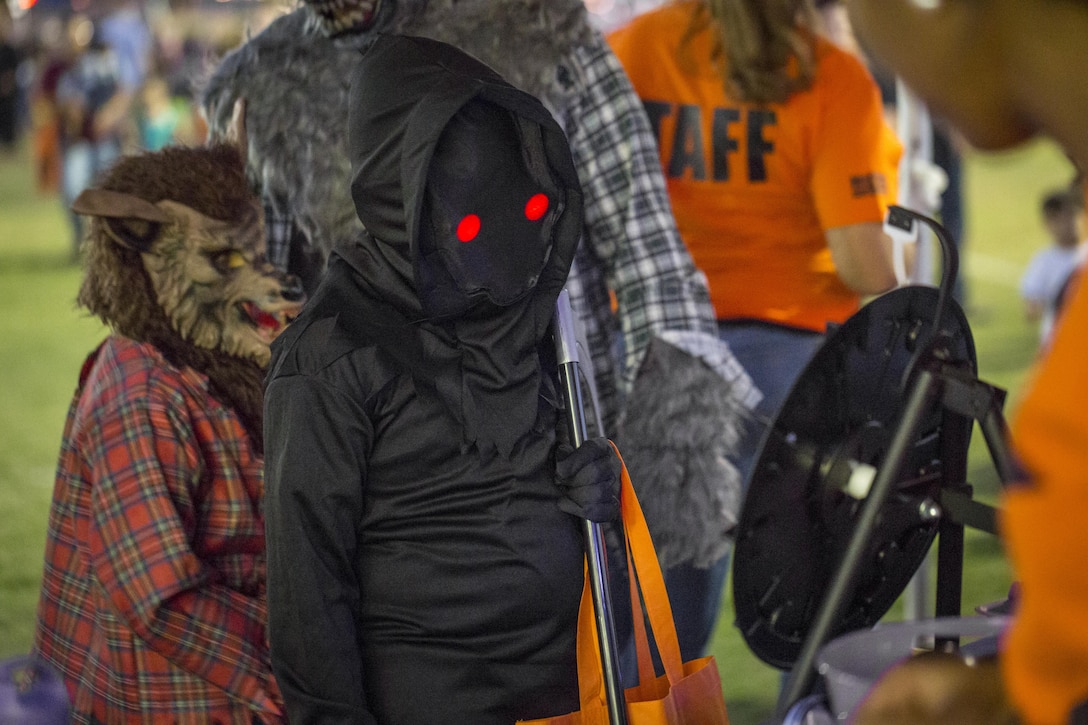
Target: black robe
<point x="420" y="570"/>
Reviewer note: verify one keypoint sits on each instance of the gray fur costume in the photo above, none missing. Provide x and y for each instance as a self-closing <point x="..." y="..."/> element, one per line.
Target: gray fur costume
<point x="295" y="82"/>
<point x="692" y="398"/>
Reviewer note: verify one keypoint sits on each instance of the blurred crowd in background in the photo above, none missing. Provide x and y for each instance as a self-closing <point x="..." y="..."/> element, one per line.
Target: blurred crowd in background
<point x="83" y="81"/>
<point x="166" y="46"/>
<point x="164" y="51"/>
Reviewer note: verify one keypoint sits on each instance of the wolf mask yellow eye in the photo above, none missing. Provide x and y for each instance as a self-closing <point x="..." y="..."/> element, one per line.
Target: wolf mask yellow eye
<point x="228" y="260"/>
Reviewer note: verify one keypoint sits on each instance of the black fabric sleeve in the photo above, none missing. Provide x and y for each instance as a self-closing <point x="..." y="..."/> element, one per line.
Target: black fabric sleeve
<point x="315" y="443"/>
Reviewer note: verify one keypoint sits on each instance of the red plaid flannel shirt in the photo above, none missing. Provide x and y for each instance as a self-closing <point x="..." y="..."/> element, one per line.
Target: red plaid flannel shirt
<point x="153" y="596"/>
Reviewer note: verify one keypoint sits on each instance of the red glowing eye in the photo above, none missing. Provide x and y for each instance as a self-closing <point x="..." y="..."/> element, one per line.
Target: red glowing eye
<point x="468" y="228"/>
<point x="536" y="206"/>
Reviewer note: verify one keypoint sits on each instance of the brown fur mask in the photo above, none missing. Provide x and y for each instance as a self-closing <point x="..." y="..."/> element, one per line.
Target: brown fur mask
<point x="176" y="257"/>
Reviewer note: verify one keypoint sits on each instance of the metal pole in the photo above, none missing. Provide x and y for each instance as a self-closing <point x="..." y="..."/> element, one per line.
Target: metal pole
<point x="566" y="347"/>
<point x="915" y="130"/>
<point x="916" y="596"/>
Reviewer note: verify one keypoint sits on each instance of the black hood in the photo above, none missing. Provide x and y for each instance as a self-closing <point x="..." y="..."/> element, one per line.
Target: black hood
<point x="422" y="111"/>
<point x="438" y="140"/>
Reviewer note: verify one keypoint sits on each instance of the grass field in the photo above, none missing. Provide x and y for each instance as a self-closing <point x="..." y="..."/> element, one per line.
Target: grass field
<point x="44" y="338"/>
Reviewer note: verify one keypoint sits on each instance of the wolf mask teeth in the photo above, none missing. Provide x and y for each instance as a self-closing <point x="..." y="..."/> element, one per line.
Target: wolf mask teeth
<point x="340" y="16"/>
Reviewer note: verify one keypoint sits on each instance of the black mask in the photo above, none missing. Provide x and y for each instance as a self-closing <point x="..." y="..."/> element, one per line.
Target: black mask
<point x="489" y="212"/>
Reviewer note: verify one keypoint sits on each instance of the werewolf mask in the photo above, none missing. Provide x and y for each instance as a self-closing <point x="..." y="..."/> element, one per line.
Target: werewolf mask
<point x="184" y="218"/>
<point x="341" y="16"/>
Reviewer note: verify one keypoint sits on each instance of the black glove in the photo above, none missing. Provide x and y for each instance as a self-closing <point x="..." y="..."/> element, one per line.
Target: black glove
<point x="590" y="479"/>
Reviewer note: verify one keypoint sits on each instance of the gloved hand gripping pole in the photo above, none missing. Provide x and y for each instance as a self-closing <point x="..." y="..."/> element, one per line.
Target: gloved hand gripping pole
<point x="566" y="347"/>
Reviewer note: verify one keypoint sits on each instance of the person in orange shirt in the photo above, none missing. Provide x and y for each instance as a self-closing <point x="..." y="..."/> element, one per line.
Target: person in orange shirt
<point x="780" y="169"/>
<point x="1005" y="71"/>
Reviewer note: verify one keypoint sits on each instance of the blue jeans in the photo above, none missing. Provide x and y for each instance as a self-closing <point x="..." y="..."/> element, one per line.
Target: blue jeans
<point x="774" y="357"/>
<point x="82" y="162"/>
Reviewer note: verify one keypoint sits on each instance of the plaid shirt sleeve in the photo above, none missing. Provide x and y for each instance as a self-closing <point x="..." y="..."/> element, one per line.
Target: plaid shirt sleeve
<point x="279" y="230"/>
<point x="630" y="229"/>
<point x="148" y="466"/>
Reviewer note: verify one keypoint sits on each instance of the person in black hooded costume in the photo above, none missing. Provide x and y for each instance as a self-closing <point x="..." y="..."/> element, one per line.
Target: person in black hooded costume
<point x="425" y="554"/>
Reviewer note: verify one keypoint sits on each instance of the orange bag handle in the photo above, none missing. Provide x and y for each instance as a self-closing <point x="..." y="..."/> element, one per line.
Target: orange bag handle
<point x="645" y="575"/>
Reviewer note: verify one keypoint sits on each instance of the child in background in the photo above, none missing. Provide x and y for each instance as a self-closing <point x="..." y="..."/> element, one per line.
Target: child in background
<point x="157" y="119"/>
<point x="1050" y="268"/>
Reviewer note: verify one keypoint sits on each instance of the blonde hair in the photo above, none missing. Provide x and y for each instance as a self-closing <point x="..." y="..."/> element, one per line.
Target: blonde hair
<point x="764" y="49"/>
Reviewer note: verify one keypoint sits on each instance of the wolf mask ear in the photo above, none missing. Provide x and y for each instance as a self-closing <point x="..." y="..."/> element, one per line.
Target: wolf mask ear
<point x="129" y="220"/>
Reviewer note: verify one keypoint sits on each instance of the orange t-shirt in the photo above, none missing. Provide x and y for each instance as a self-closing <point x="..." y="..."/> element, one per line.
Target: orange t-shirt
<point x="754" y="187"/>
<point x="1045" y="526"/>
